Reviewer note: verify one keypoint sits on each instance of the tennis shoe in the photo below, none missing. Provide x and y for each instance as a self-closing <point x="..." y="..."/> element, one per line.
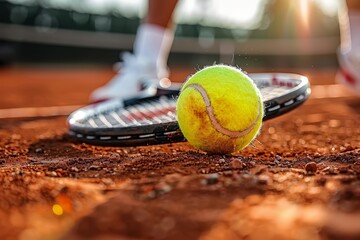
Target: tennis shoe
<point x="136" y="78"/>
<point x="349" y="70"/>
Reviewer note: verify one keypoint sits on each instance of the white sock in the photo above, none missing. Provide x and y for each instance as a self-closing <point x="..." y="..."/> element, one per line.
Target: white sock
<point x="153" y="43"/>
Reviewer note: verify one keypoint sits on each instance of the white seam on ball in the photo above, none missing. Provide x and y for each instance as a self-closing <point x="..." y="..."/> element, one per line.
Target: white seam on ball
<point x="215" y="123"/>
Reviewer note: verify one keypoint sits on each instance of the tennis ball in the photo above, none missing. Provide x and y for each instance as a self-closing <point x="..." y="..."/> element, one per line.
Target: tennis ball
<point x="220" y="110"/>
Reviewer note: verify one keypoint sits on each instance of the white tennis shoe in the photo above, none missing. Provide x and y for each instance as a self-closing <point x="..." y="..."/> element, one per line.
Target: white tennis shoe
<point x="349" y="50"/>
<point x="349" y="70"/>
<point x="137" y="78"/>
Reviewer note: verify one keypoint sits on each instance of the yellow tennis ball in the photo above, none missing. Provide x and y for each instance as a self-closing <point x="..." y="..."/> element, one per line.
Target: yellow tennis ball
<point x="220" y="109"/>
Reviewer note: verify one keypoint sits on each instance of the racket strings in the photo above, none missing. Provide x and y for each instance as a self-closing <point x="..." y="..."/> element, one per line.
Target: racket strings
<point x="162" y="110"/>
<point x="272" y="92"/>
<point x="276" y="80"/>
<point x="145" y="113"/>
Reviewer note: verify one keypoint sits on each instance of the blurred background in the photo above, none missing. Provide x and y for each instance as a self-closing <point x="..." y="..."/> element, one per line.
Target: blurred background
<point x="257" y="33"/>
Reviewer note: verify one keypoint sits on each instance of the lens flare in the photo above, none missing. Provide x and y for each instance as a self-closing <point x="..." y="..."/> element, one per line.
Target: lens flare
<point x="57" y="210"/>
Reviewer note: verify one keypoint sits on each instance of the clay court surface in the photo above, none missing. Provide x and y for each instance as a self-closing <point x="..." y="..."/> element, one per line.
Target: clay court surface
<point x="300" y="181"/>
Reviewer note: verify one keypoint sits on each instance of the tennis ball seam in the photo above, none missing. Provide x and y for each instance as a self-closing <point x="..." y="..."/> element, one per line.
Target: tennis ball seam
<point x="214" y="121"/>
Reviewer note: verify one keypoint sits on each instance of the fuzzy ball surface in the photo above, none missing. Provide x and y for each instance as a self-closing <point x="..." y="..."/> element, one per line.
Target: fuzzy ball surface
<point x="220" y="110"/>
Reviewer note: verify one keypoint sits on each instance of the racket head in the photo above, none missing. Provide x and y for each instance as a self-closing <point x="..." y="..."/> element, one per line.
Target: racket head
<point x="152" y="120"/>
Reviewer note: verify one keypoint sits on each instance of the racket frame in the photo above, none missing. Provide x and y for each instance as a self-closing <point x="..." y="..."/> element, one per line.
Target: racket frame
<point x="169" y="132"/>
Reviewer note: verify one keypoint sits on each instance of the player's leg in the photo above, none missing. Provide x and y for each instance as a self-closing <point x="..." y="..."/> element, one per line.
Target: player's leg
<point x="148" y="63"/>
<point x="349" y="52"/>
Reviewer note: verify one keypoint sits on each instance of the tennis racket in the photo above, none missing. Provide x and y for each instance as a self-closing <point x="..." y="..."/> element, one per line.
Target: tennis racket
<point x="152" y="120"/>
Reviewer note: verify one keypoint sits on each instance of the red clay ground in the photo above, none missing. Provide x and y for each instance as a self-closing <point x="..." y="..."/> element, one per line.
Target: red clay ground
<point x="302" y="181"/>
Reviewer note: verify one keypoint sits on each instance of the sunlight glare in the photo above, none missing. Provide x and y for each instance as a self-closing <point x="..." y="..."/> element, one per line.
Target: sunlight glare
<point x="329" y="7"/>
<point x="304" y="14"/>
<point x="230" y="13"/>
